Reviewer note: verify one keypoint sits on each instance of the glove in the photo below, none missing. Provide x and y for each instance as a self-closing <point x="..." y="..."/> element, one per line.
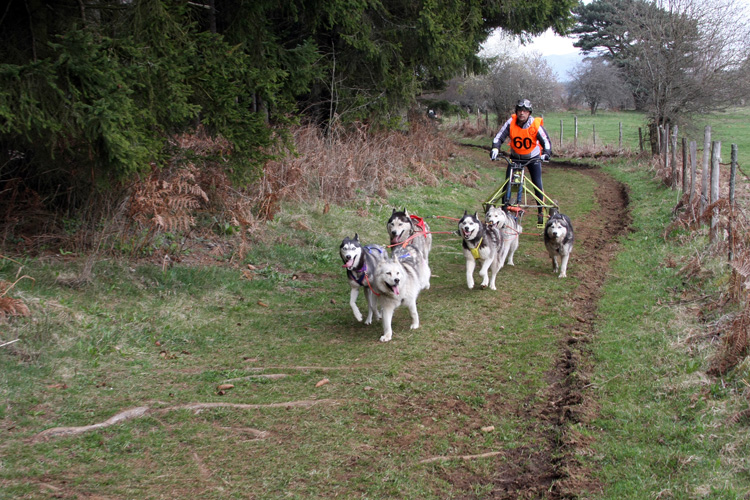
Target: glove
<point x="493" y="153"/>
<point x="545" y="157"/>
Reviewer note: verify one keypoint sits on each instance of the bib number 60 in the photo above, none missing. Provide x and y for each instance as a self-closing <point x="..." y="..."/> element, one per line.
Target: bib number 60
<point x="519" y="143"/>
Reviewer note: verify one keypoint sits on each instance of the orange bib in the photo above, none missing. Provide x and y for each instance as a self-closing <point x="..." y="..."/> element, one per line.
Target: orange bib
<point x="523" y="140"/>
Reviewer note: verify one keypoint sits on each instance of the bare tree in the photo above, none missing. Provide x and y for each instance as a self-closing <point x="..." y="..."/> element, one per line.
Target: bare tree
<point x="681" y="56"/>
<point x="516" y="77"/>
<point x="599" y="83"/>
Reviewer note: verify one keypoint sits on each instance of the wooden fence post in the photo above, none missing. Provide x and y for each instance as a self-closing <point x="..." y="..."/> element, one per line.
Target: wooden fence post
<point x="732" y="181"/>
<point x="620" y="143"/>
<point x="659" y="132"/>
<point x="594" y="134"/>
<point x="665" y="147"/>
<point x="673" y="157"/>
<point x="693" y="161"/>
<point x="685" y="176"/>
<point x="640" y="138"/>
<point x="704" y="172"/>
<point x="715" y="162"/>
<point x="561" y="133"/>
<point x="575" y="136"/>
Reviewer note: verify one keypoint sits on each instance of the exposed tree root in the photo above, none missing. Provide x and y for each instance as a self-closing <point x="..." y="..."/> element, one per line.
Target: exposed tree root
<point x="445" y="458"/>
<point x="269" y="376"/>
<point x="144" y="410"/>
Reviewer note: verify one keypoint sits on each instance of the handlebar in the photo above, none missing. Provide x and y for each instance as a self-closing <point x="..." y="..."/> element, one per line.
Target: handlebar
<point x="521" y="162"/>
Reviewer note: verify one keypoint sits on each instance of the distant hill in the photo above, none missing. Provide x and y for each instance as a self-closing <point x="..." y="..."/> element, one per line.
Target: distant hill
<point x="562" y="64"/>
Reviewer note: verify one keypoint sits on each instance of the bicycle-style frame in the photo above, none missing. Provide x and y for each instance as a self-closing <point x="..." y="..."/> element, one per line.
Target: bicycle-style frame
<point x="525" y="190"/>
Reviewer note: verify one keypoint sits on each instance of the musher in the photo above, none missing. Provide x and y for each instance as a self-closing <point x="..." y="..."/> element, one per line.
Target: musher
<point x="528" y="140"/>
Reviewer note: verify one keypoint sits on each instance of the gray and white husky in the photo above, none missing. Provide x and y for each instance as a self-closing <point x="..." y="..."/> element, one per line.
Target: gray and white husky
<point x="481" y="243"/>
<point x="402" y="226"/>
<point x="558" y="238"/>
<point x="360" y="263"/>
<point x="510" y="231"/>
<point x="398" y="280"/>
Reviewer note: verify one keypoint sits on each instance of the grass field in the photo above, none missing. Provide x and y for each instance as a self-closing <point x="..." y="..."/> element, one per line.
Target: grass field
<point x="732" y="127"/>
<point x="357" y="418"/>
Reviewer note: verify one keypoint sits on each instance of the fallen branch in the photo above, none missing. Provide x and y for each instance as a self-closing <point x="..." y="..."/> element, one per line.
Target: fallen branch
<point x="144" y="410"/>
<point x="70" y="431"/>
<point x="270" y="376"/>
<point x="444" y="458"/>
<point x="8" y="343"/>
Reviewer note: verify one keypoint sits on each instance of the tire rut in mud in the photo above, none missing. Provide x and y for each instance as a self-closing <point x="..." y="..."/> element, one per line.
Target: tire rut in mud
<point x="554" y="472"/>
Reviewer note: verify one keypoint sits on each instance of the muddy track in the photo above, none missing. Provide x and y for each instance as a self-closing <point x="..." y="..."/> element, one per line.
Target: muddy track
<point x="554" y="472"/>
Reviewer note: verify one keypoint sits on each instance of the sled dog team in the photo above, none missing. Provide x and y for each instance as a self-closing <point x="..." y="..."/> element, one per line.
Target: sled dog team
<point x="390" y="279"/>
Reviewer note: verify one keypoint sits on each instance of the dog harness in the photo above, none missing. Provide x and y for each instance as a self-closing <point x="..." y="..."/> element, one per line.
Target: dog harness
<point x="475" y="250"/>
<point x="360" y="281"/>
<point x="419" y="222"/>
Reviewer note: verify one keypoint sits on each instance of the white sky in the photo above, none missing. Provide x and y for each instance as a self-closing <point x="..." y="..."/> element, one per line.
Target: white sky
<point x="550" y="44"/>
<point x="547" y="44"/>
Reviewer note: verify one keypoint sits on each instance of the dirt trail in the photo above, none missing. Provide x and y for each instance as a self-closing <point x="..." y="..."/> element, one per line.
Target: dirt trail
<point x="554" y="472"/>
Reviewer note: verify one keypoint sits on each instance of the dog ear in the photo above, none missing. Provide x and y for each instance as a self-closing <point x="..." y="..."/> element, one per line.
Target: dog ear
<point x="476" y="215"/>
<point x="393" y="211"/>
<point x="356" y="237"/>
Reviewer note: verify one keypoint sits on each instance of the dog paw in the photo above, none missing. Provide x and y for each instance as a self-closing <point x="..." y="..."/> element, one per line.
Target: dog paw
<point x="385" y="338"/>
<point x="368" y="322"/>
<point x="563" y="275"/>
<point x="493" y="287"/>
<point x="358" y="315"/>
<point x="414" y="326"/>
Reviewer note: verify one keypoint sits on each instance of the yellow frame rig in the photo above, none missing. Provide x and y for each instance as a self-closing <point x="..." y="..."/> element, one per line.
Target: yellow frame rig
<point x="525" y="188"/>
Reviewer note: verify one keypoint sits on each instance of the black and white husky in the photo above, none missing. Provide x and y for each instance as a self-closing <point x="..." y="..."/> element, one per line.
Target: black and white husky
<point x="510" y="231"/>
<point x="398" y="280"/>
<point x="481" y="243"/>
<point x="558" y="238"/>
<point x="403" y="226"/>
<point x="360" y="263"/>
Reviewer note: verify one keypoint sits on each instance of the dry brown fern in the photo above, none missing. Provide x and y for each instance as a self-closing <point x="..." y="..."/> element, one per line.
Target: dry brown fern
<point x="166" y="200"/>
<point x="10" y="307"/>
<point x="735" y="345"/>
<point x="740" y="417"/>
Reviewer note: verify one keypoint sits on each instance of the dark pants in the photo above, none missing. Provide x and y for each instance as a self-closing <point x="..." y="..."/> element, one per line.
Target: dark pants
<point x="535" y="172"/>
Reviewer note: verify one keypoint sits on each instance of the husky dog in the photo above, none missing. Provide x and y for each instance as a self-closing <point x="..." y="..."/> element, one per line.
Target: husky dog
<point x="360" y="263"/>
<point x="558" y="238"/>
<point x="510" y="231"/>
<point x="398" y="280"/>
<point x="401" y="226"/>
<point x="480" y="243"/>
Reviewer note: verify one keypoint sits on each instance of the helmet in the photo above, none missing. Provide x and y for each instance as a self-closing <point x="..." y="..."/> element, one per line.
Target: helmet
<point x="523" y="104"/>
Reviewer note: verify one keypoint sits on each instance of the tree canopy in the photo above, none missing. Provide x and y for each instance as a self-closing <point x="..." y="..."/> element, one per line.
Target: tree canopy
<point x="92" y="91"/>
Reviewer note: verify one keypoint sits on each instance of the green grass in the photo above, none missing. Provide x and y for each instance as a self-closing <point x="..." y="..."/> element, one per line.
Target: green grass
<point x="141" y="336"/>
<point x="731" y="127"/>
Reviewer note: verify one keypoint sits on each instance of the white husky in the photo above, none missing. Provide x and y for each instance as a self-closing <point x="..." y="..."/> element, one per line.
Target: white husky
<point x="480" y="243"/>
<point x="510" y="230"/>
<point x="558" y="238"/>
<point x="398" y="280"/>
<point x="360" y="263"/>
